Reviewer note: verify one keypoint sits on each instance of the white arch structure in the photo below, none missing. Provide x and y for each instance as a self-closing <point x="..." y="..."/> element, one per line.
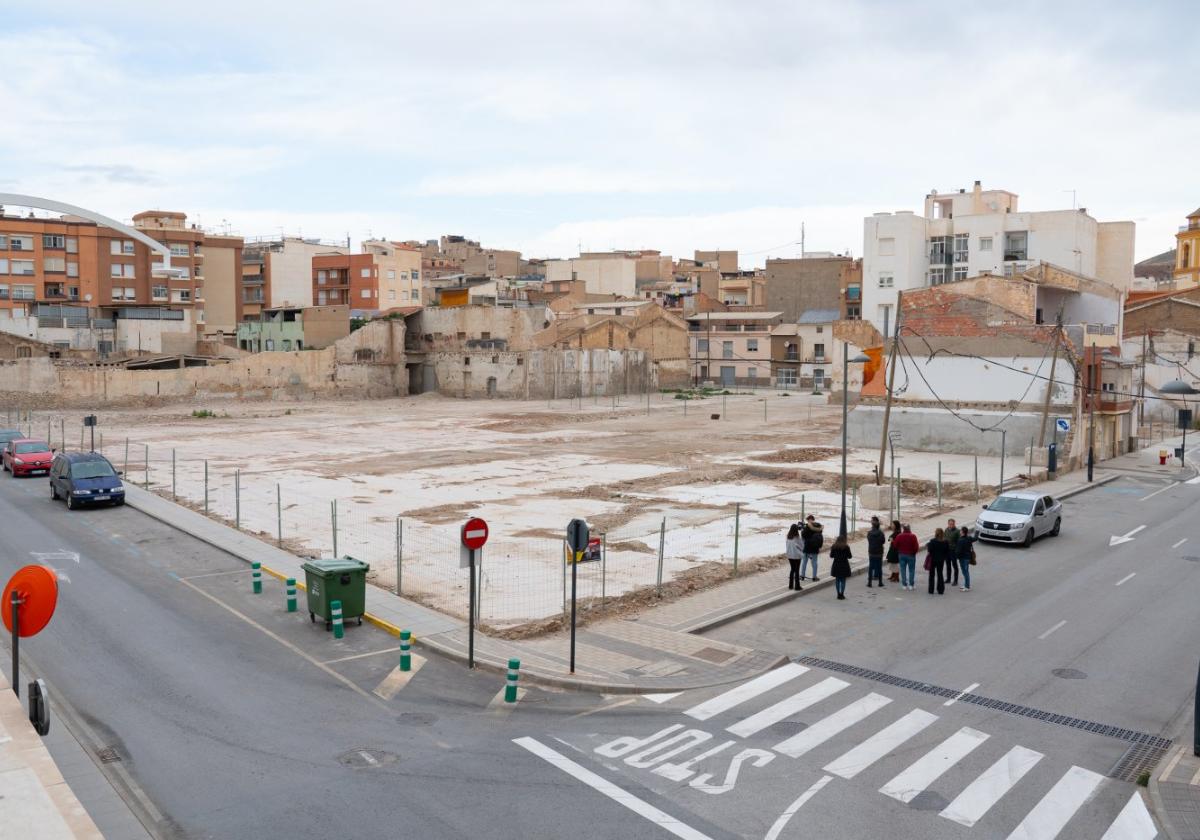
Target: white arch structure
<point x="93" y="216"/>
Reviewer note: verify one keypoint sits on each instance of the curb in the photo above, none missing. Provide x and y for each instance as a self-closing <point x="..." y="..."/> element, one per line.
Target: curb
<point x="1075" y="491"/>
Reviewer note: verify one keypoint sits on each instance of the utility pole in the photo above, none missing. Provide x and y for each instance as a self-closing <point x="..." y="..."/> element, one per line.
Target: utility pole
<point x="1091" y="414"/>
<point x="1142" y="389"/>
<point x="1050" y="384"/>
<point x="891" y="383"/>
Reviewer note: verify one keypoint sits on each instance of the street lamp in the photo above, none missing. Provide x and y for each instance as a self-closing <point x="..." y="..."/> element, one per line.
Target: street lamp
<point x="1180" y="388"/>
<point x="892" y="438"/>
<point x="861" y="358"/>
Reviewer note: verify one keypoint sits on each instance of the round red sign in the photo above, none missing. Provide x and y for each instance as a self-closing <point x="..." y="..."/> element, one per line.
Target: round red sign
<point x="474" y="533"/>
<point x="37" y="589"/>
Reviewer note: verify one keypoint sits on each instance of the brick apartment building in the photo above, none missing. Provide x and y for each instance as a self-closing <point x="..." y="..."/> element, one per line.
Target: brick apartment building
<point x="387" y="275"/>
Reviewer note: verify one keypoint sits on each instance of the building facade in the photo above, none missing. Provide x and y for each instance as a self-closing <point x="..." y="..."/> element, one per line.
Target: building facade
<point x="308" y="328"/>
<point x="731" y="348"/>
<point x="981" y="232"/>
<point x="278" y="273"/>
<point x="1187" y="252"/>
<point x="795" y="286"/>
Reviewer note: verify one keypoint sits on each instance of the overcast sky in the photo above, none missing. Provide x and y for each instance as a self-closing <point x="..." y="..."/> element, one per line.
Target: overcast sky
<point x="547" y="126"/>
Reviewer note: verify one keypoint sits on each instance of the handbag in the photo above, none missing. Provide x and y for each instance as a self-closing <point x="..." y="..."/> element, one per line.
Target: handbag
<point x="972" y="557"/>
<point x="928" y="562"/>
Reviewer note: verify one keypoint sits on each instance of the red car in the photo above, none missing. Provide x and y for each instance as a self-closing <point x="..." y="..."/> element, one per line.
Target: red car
<point x="25" y="456"/>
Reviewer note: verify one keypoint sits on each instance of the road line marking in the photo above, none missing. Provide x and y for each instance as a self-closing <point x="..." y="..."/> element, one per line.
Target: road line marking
<point x="213" y="574"/>
<point x="1171" y="765"/>
<point x="782" y="822"/>
<point x="824" y="729"/>
<point x="1133" y="823"/>
<point x="397" y="680"/>
<point x="603" y="786"/>
<point x="928" y="768"/>
<point x="1124" y="579"/>
<point x="1052" y="629"/>
<point x="978" y="797"/>
<point x="283" y="642"/>
<point x="661" y="698"/>
<point x="796" y="703"/>
<point x="1181" y="542"/>
<point x="881" y="744"/>
<point x="1056" y="808"/>
<point x="370" y="759"/>
<point x="599" y="709"/>
<point x="1195" y="480"/>
<point x="745" y="691"/>
<point x="1160" y="490"/>
<point x="361" y="655"/>
<point x="960" y="694"/>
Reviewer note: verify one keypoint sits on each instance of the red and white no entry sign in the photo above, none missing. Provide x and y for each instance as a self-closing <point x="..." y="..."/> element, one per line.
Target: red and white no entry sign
<point x="474" y="533"/>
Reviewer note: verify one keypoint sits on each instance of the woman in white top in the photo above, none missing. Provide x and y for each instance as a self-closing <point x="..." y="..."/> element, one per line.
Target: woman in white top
<point x="795" y="551"/>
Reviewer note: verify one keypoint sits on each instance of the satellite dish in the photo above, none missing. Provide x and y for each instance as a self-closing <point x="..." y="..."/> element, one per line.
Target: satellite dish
<point x="88" y="296"/>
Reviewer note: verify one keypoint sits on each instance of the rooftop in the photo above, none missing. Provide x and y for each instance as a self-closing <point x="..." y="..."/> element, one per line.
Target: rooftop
<point x="819" y="316"/>
<point x="734" y="316"/>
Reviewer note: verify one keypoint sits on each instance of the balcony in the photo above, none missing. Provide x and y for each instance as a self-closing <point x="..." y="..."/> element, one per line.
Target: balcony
<point x="940" y="258"/>
<point x="1193" y="224"/>
<point x="1016" y="256"/>
<point x="252" y="280"/>
<point x="853" y="293"/>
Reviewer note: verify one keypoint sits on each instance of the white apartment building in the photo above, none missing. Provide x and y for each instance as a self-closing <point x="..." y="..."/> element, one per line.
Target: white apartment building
<point x="970" y="233"/>
<point x="604" y="274"/>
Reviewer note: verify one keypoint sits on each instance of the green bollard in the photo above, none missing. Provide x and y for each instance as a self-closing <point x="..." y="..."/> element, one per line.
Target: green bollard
<point x="256" y="576"/>
<point x="405" y="647"/>
<point x="335" y="615"/>
<point x="510" y="685"/>
<point x="291" y="594"/>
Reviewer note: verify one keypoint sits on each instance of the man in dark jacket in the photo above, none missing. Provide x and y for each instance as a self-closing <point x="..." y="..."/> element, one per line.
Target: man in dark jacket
<point x="876" y="540"/>
<point x="813" y="539"/>
<point x="964" y="551"/>
<point x="952" y="533"/>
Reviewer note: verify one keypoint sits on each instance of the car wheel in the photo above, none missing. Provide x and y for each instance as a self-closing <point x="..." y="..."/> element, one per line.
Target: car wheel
<point x="1057" y="527"/>
<point x="1028" y="541"/>
<point x="70" y="503"/>
<point x="118" y="502"/>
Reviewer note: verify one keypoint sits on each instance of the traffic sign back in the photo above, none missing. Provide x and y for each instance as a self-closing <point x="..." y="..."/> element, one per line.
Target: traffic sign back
<point x="474" y="533"/>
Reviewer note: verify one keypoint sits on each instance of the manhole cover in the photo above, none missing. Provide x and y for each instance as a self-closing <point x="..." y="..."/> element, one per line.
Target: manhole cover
<point x="367" y="758"/>
<point x="714" y="655"/>
<point x="108" y="755"/>
<point x="1069" y="674"/>
<point x="416" y="718"/>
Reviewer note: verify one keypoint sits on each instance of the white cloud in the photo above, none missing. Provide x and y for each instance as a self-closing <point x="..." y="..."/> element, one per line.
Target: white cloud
<point x="547" y="180"/>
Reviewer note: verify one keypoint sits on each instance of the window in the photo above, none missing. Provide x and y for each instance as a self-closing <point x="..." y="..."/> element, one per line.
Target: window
<point x="3" y="291"/>
<point x="73" y="292"/>
<point x="939" y="248"/>
<point x="702" y="345"/>
<point x="22" y="266"/>
<point x="985" y="243"/>
<point x="752" y="373"/>
<point x="270" y="344"/>
<point x="751" y="346"/>
<point x="391" y="294"/>
<point x="180" y="249"/>
<point x="853" y="313"/>
<point x="960" y="247"/>
<point x="887" y="246"/>
<point x="178" y="295"/>
<point x="820" y="329"/>
<point x="53" y="240"/>
<point x="57" y="264"/>
<point x="72" y="269"/>
<point x="20" y="243"/>
<point x="818" y="377"/>
<point x="391" y="274"/>
<point x="1016" y="245"/>
<point x="364" y="272"/>
<point x="287" y="344"/>
<point x="787" y="377"/>
<point x="885" y="318"/>
<point x="127" y="247"/>
<point x="184" y="272"/>
<point x="3" y="240"/>
<point x="158" y="292"/>
<point x="366" y="293"/>
<point x="333" y="275"/>
<point x="321" y="275"/>
<point x="960" y="272"/>
<point x="321" y="298"/>
<point x="937" y="275"/>
<point x="886" y="281"/>
<point x="22" y="292"/>
<point x="4" y="266"/>
<point x="727" y="349"/>
<point x="121" y="246"/>
<point x="818" y="351"/>
<point x="416" y="275"/>
<point x="72" y="245"/>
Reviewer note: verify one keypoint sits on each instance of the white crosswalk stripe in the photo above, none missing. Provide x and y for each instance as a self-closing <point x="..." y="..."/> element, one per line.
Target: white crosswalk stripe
<point x="827" y="727"/>
<point x="1056" y="808"/>
<point x="785" y="708"/>
<point x="746" y="691"/>
<point x="929" y="767"/>
<point x="1133" y="823"/>
<point x="969" y="806"/>
<point x="880" y="744"/>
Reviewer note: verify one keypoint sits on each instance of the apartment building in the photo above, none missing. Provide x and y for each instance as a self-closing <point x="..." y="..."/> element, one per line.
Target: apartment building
<point x="277" y="273"/>
<point x="731" y="348"/>
<point x="980" y="232"/>
<point x="611" y="272"/>
<point x="386" y="275"/>
<point x="1187" y="252"/>
<point x="814" y="281"/>
<point x="398" y="271"/>
<point x="473" y="259"/>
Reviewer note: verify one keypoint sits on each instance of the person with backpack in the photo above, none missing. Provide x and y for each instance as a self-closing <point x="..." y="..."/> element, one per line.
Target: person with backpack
<point x="876" y="540"/>
<point x="964" y="550"/>
<point x="935" y="560"/>
<point x="907" y="545"/>
<point x="813" y="539"/>
<point x="795" y="551"/>
<point x="893" y="555"/>
<point x="839" y="566"/>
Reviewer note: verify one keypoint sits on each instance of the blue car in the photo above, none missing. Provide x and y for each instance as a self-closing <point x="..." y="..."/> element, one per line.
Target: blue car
<point x="85" y="478"/>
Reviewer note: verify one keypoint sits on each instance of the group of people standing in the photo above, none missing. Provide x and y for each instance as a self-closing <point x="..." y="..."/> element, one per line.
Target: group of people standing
<point x="949" y="555"/>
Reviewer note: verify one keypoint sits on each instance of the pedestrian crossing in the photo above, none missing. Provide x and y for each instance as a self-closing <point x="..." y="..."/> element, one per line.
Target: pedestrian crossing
<point x="902" y="752"/>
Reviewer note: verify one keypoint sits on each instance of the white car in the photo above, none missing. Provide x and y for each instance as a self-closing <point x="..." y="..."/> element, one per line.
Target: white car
<point x="1020" y="516"/>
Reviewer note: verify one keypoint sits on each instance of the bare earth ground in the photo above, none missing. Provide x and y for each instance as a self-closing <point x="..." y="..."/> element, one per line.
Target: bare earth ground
<point x="406" y="472"/>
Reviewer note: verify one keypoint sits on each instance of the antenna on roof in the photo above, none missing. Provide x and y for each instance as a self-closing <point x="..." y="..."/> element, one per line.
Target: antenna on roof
<point x="802" y="240"/>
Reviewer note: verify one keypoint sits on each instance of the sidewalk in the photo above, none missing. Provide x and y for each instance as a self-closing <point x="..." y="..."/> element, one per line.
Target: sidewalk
<point x="35" y="801"/>
<point x="1175" y="792"/>
<point x="654" y="651"/>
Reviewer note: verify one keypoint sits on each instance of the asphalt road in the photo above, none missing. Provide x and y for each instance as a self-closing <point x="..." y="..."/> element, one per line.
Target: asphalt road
<point x="237" y="719"/>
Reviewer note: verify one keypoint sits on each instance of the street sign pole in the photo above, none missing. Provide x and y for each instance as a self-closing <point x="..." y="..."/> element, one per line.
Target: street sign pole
<point x="577" y="543"/>
<point x="574" y="576"/>
<point x="474" y="534"/>
<point x="16" y="635"/>
<point x="471" y="614"/>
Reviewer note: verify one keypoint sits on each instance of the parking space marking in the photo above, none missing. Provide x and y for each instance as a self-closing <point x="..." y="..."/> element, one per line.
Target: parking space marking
<point x="396" y="680"/>
<point x="618" y="704"/>
<point x="603" y="786"/>
<point x="361" y="655"/>
<point x="1181" y="542"/>
<point x="1052" y="629"/>
<point x="1124" y="579"/>
<point x="1160" y="490"/>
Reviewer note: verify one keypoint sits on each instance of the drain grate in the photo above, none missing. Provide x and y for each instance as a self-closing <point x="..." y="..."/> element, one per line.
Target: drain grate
<point x="1138" y="759"/>
<point x="1137" y="738"/>
<point x="108" y="755"/>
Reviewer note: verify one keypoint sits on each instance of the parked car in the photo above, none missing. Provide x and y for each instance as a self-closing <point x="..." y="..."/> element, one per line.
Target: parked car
<point x="10" y="434"/>
<point x="25" y="456"/>
<point x="85" y="478"/>
<point x="1020" y="516"/>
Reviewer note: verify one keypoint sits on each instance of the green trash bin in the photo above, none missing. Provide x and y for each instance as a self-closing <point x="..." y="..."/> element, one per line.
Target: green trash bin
<point x="344" y="580"/>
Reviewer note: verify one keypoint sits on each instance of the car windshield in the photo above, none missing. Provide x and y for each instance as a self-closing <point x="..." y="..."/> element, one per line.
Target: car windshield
<point x="92" y="469"/>
<point x="25" y="448"/>
<point x="1011" y="504"/>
